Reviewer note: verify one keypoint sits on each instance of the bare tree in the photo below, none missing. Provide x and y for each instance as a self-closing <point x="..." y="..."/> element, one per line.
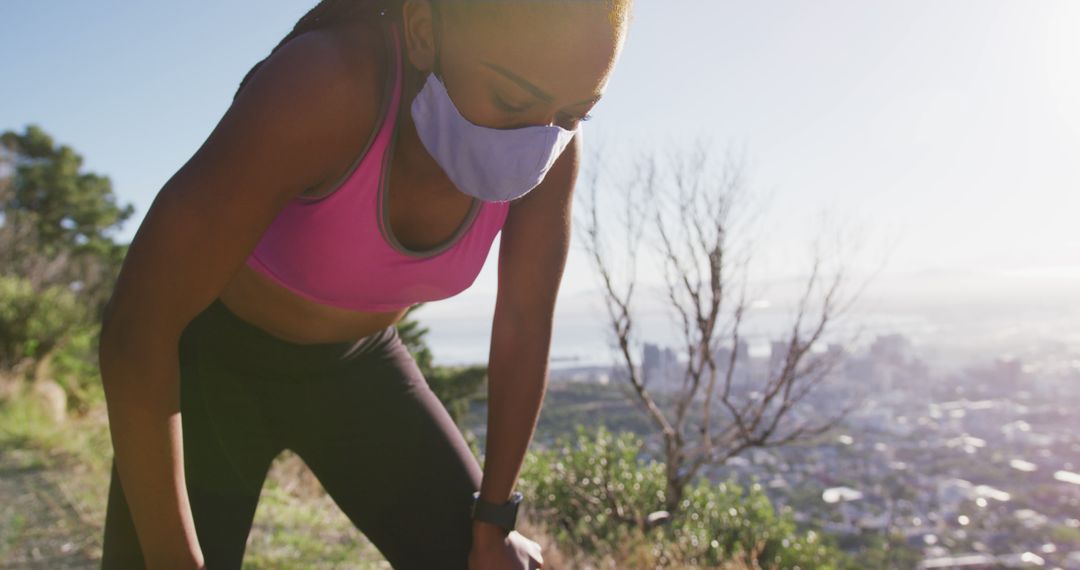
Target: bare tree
<point x="695" y="212"/>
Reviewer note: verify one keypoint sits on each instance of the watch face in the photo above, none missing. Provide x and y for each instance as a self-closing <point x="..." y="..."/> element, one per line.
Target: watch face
<point x="504" y="515"/>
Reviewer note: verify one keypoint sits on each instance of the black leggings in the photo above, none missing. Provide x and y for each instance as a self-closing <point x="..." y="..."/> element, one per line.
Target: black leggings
<point x="361" y="416"/>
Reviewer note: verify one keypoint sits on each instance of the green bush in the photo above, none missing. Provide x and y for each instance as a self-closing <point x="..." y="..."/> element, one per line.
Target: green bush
<point x="75" y="368"/>
<point x="33" y="323"/>
<point x="595" y="494"/>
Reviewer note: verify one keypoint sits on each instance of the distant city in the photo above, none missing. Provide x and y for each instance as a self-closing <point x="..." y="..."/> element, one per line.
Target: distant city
<point x="975" y="467"/>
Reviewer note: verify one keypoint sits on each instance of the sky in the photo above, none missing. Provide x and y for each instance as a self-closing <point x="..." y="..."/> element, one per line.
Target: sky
<point x="945" y="134"/>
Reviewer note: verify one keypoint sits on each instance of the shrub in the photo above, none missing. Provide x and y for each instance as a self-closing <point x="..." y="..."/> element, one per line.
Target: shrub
<point x="75" y="367"/>
<point x="33" y="323"/>
<point x="595" y="494"/>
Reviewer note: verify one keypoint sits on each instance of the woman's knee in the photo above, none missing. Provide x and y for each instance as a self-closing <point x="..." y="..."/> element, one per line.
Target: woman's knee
<point x="404" y="474"/>
<point x="222" y="523"/>
<point x="120" y="546"/>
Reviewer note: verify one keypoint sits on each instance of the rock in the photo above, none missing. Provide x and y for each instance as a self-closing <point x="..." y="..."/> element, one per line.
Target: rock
<point x="54" y="399"/>
<point x="9" y="387"/>
<point x="657" y="518"/>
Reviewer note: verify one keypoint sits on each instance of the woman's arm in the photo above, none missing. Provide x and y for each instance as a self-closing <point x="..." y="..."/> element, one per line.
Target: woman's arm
<point x="532" y="254"/>
<point x="282" y="134"/>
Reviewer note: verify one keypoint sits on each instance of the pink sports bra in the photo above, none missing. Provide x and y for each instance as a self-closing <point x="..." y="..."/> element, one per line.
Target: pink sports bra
<point x="338" y="249"/>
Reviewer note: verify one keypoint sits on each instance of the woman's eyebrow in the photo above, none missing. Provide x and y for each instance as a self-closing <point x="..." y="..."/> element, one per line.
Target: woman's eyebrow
<point x="530" y="87"/>
<point x="525" y="84"/>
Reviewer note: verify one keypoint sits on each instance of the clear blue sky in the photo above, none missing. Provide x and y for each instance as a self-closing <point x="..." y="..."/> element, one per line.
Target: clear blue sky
<point x="952" y="126"/>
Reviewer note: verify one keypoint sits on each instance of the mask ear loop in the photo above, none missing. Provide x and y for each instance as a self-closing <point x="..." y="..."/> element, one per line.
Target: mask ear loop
<point x="436" y="29"/>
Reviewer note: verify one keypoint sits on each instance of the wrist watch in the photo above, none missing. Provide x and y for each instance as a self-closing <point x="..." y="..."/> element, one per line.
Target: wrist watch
<point x="504" y="515"/>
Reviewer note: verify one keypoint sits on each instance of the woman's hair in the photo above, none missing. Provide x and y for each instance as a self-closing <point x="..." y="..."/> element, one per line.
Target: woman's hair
<point x="328" y="13"/>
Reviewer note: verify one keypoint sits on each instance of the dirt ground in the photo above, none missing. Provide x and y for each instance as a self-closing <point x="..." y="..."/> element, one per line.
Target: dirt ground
<point x="40" y="526"/>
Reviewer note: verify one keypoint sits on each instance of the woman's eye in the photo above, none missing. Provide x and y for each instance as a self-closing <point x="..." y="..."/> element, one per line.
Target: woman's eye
<point x="573" y="120"/>
<point x="503" y="105"/>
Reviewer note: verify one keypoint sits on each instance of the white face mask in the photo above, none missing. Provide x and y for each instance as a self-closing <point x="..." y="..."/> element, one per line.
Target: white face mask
<point x="495" y="165"/>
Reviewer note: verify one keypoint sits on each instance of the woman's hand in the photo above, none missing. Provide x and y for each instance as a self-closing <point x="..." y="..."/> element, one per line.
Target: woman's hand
<point x="493" y="549"/>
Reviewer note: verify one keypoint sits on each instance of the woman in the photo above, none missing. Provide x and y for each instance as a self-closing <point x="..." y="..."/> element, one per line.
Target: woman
<point x="259" y="297"/>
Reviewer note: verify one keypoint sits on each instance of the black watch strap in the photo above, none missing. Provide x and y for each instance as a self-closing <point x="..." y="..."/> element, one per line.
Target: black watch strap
<point x="504" y="515"/>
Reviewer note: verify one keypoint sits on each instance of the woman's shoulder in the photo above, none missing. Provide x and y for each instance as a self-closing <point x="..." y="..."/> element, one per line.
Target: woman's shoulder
<point x="360" y="54"/>
<point x="336" y="75"/>
<point x="342" y="61"/>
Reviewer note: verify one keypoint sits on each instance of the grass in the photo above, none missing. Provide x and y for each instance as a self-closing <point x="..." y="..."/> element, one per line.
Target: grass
<point x="295" y="521"/>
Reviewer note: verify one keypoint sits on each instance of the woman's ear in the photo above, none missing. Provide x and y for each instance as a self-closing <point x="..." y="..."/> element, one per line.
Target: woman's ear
<point x="416" y="19"/>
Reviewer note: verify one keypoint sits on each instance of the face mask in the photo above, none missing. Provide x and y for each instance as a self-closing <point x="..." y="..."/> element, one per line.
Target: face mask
<point x="494" y="165"/>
